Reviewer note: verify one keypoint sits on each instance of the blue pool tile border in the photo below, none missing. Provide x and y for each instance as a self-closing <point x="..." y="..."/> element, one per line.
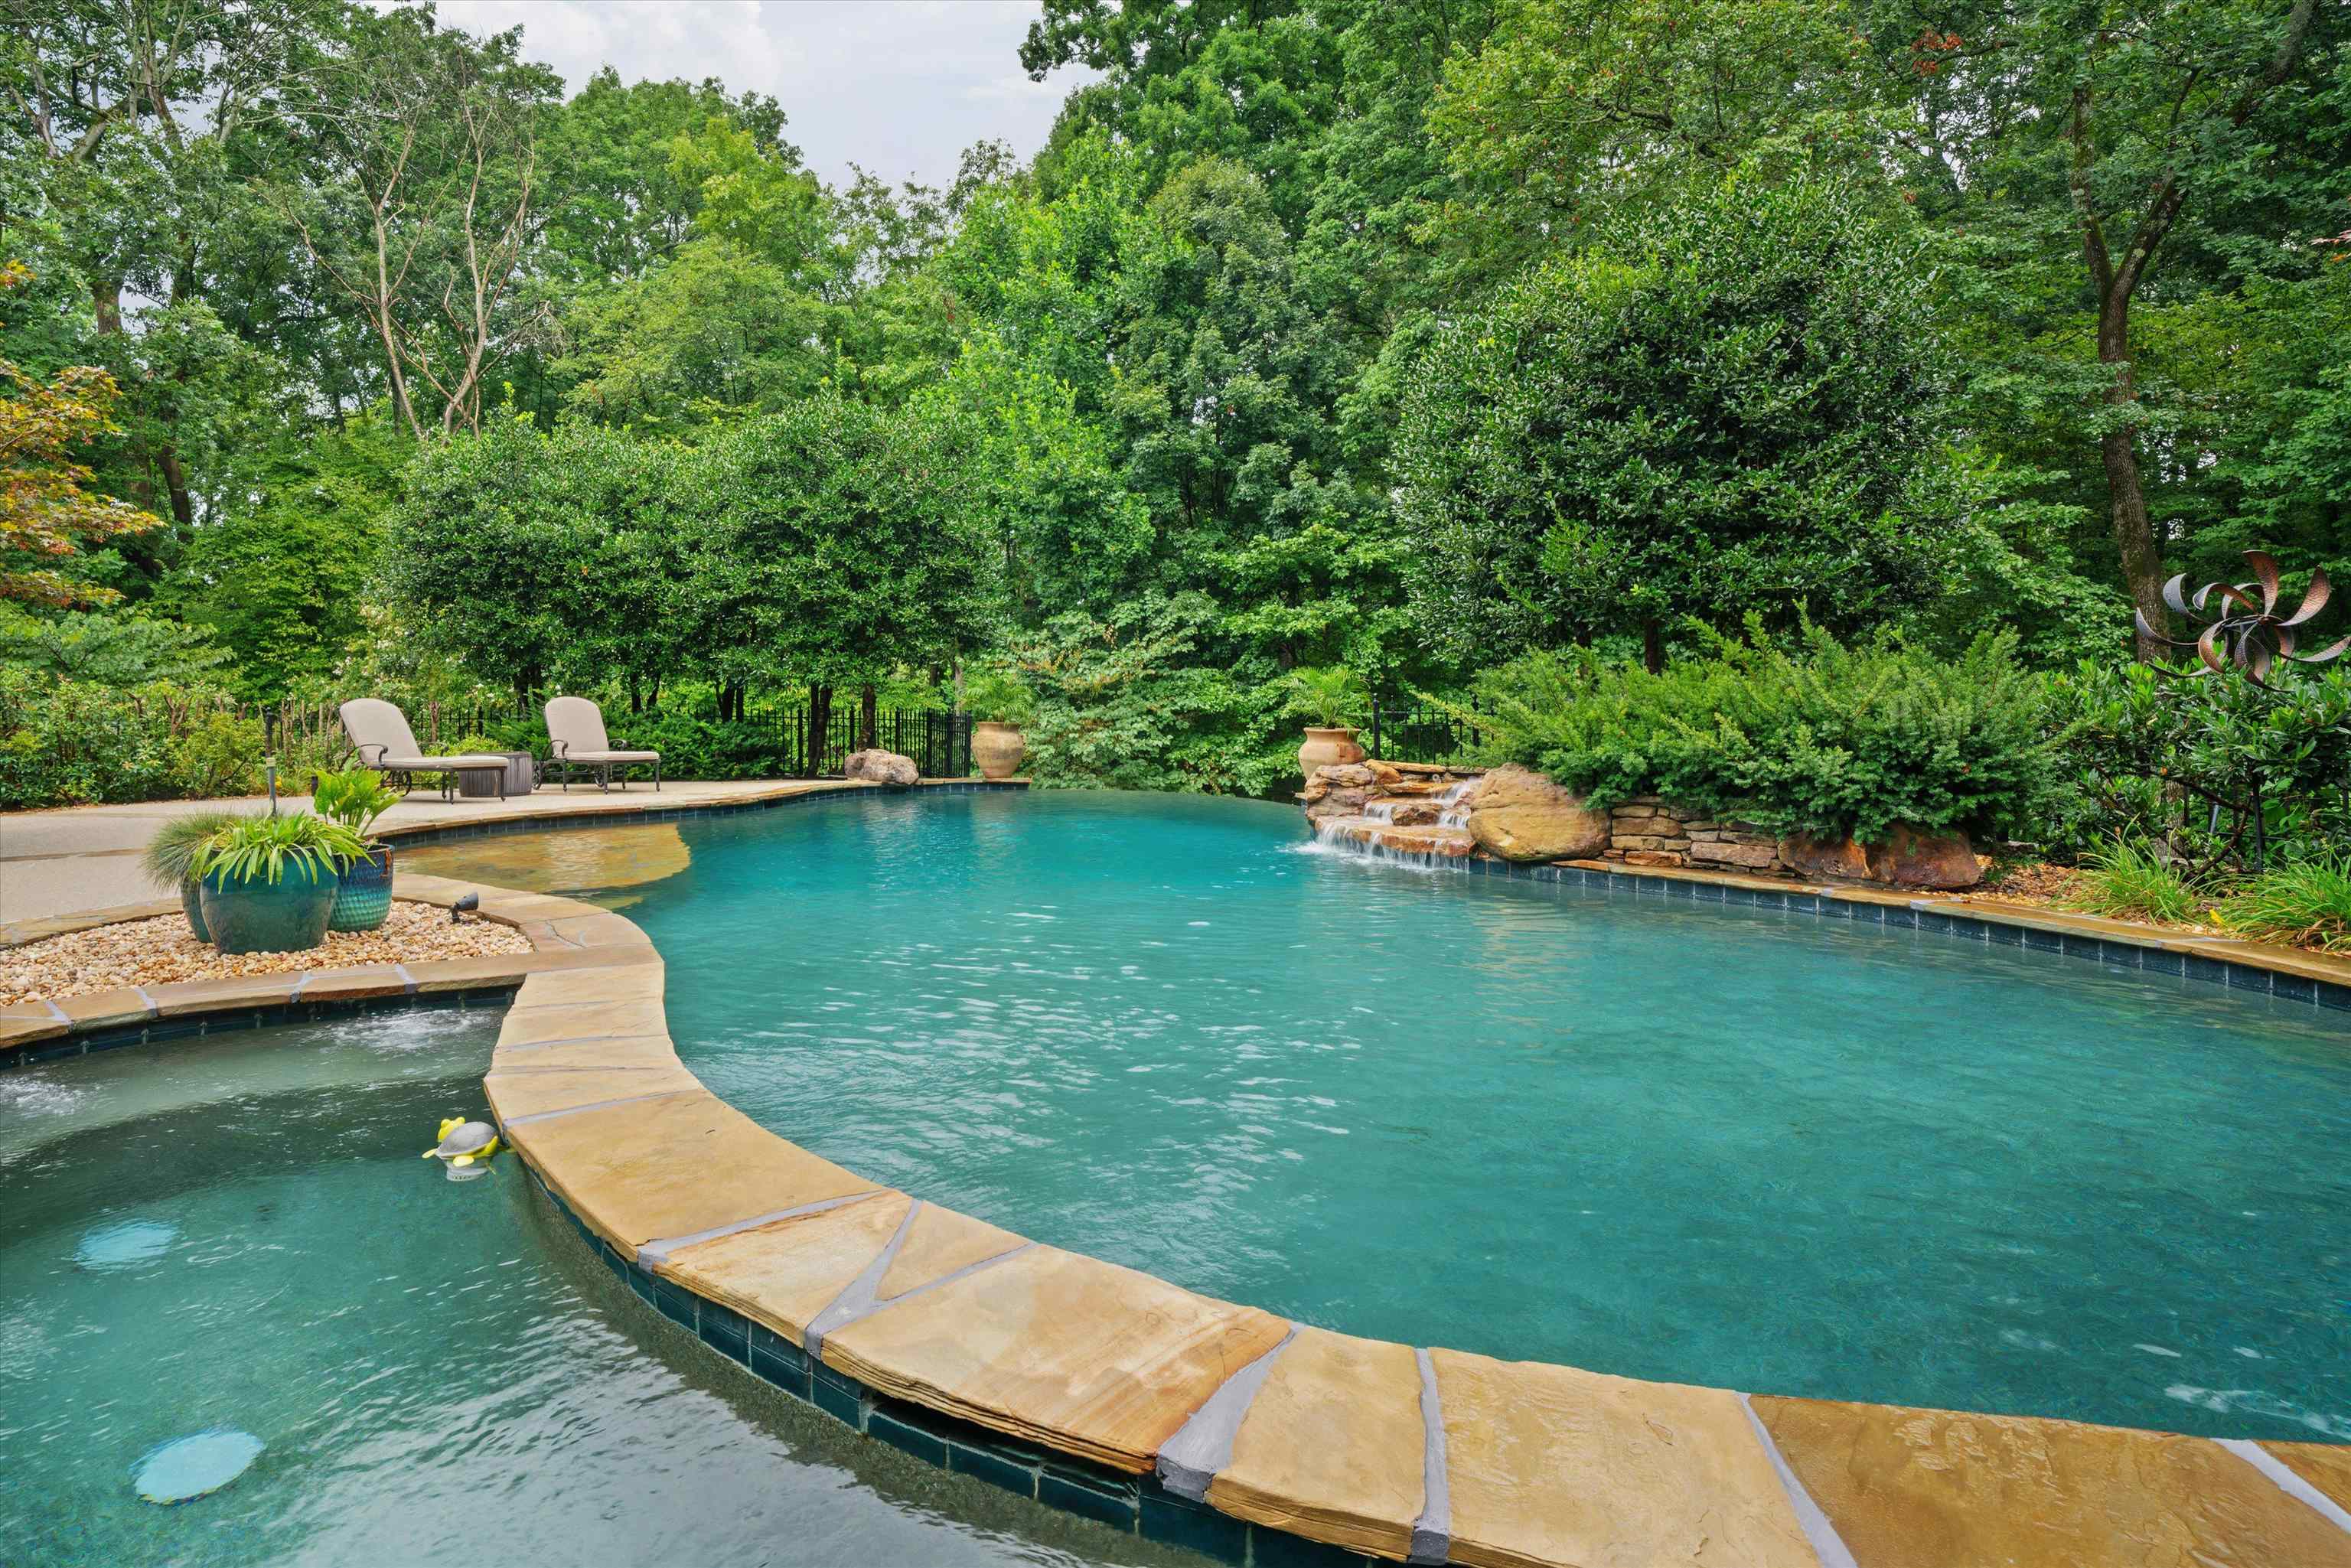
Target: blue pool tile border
<point x="1956" y="923"/>
<point x="1131" y="1505"/>
<point x="159" y="1032"/>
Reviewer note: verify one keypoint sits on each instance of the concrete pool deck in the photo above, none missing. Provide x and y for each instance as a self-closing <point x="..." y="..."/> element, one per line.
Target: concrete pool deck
<point x="1209" y="1423"/>
<point x="79" y="858"/>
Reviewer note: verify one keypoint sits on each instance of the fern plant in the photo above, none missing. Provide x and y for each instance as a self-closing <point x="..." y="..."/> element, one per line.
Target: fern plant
<point x="1333" y="696"/>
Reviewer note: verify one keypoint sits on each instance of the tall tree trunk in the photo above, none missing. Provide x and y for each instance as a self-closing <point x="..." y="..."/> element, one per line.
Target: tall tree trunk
<point x="869" y="716"/>
<point x="819" y="727"/>
<point x="2135" y="543"/>
<point x="1653" y="646"/>
<point x="175" y="484"/>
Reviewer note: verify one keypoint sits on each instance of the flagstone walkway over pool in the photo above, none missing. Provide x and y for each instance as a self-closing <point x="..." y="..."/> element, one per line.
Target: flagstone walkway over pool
<point x="1218" y="1426"/>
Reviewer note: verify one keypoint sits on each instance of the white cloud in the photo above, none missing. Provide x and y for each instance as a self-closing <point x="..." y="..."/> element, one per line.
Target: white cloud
<point x="899" y="87"/>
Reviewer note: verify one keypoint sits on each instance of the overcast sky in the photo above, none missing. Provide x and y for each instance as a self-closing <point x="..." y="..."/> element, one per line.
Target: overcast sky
<point x="900" y="87"/>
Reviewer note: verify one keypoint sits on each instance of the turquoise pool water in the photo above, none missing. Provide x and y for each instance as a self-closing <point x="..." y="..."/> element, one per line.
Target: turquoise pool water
<point x="236" y="1232"/>
<point x="1698" y="1143"/>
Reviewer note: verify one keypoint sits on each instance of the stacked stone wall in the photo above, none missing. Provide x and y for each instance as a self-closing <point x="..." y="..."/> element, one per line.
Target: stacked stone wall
<point x="1649" y="831"/>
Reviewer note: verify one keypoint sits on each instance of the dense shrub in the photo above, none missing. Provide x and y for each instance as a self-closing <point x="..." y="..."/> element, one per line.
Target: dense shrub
<point x="1805" y="734"/>
<point x="64" y="743"/>
<point x="1119" y="706"/>
<point x="2224" y="773"/>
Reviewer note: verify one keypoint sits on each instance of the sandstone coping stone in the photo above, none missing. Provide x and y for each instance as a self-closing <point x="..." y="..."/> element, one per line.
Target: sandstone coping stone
<point x="1904" y="1487"/>
<point x="785" y="1271"/>
<point x="542" y="1023"/>
<point x="2325" y="1466"/>
<point x="673" y="1166"/>
<point x="1085" y="1356"/>
<point x="357" y="982"/>
<point x="519" y="1092"/>
<point x="1332" y="1446"/>
<point x="654" y="1048"/>
<point x="1662" y="1473"/>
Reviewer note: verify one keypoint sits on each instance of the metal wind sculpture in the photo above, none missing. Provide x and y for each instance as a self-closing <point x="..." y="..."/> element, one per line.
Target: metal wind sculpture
<point x="2244" y="632"/>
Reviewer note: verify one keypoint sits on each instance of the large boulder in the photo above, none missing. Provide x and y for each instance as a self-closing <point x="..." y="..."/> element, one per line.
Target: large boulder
<point x="879" y="766"/>
<point x="1520" y="815"/>
<point x="1838" y="857"/>
<point x="1911" y="857"/>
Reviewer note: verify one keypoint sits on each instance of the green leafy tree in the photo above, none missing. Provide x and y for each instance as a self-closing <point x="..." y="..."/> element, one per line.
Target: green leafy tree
<point x="833" y="540"/>
<point x="1730" y="405"/>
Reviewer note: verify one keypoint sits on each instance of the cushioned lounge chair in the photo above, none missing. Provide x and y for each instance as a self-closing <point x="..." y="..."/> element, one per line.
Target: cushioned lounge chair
<point x="378" y="733"/>
<point x="575" y="730"/>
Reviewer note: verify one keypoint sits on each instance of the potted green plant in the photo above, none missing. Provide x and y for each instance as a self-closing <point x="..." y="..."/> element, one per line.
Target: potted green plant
<point x="171" y="855"/>
<point x="267" y="883"/>
<point x="1332" y="699"/>
<point x="997" y="744"/>
<point x="355" y="797"/>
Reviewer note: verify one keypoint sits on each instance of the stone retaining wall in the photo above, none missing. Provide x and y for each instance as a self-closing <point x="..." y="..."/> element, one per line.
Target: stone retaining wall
<point x="1648" y="831"/>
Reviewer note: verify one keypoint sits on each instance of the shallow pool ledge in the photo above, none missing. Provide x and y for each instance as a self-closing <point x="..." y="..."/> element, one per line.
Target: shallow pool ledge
<point x="1223" y="1428"/>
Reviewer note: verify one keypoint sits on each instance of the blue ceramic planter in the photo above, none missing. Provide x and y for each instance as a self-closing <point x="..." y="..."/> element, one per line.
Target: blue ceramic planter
<point x="288" y="916"/>
<point x="364" y="896"/>
<point x="192" y="904"/>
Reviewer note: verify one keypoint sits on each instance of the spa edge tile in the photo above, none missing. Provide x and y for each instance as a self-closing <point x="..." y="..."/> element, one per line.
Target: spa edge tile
<point x="678" y="1304"/>
<point x="1102" y="1507"/>
<point x="1333" y="1445"/>
<point x="726" y="1331"/>
<point x="1081" y="1356"/>
<point x="1935" y="1488"/>
<point x="966" y="1459"/>
<point x="674" y="1166"/>
<point x="2288" y="988"/>
<point x="885" y="1425"/>
<point x="1664" y="1473"/>
<point x="1178" y="1522"/>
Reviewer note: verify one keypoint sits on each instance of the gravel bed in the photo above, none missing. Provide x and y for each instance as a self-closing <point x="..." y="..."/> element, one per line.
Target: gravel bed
<point x="160" y="951"/>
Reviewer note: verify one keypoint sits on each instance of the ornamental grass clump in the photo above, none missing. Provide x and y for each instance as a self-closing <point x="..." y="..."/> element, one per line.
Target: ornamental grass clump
<point x="2306" y="903"/>
<point x="1802" y="734"/>
<point x="2127" y="880"/>
<point x="264" y="847"/>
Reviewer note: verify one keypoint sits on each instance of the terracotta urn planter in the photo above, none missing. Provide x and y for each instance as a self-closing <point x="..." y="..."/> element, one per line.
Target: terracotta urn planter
<point x="997" y="748"/>
<point x="1328" y="749"/>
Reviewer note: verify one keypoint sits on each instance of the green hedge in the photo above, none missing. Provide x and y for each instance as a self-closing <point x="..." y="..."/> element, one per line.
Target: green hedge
<point x="1806" y="735"/>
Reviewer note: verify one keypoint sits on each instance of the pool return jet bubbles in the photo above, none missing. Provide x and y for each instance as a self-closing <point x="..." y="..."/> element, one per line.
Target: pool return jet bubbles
<point x="465" y="1149"/>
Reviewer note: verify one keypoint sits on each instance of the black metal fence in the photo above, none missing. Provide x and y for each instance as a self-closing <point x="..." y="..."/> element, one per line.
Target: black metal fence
<point x="1415" y="732"/>
<point x="939" y="742"/>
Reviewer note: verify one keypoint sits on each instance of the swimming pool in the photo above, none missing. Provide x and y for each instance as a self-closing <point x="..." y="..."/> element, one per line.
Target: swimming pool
<point x="1681" y="1143"/>
<point x="235" y="1232"/>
